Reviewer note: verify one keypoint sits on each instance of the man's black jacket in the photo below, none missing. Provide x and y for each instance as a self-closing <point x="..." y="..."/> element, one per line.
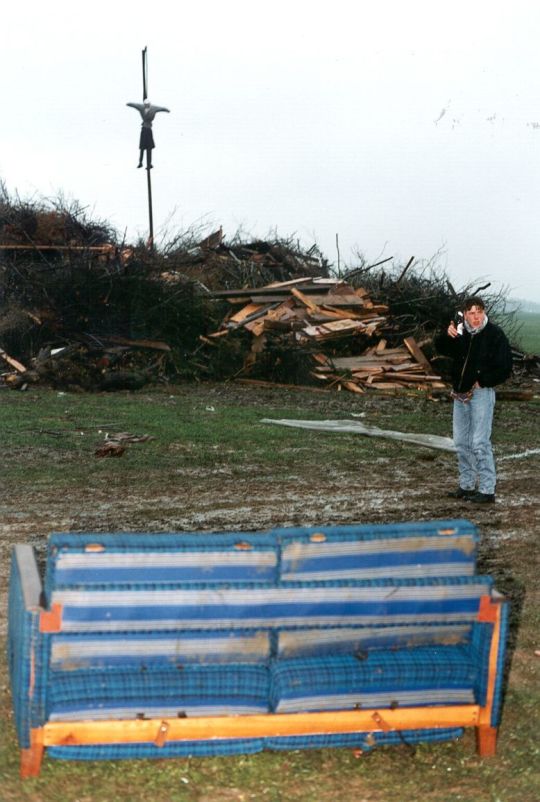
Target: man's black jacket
<point x="485" y="357"/>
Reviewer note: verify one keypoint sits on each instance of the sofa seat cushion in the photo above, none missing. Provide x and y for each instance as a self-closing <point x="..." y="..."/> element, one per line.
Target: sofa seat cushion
<point x="210" y="690"/>
<point x="427" y="675"/>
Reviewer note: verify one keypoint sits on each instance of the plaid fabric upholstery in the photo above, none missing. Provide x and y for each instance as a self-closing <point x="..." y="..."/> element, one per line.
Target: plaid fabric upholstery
<point x="221" y="747"/>
<point x="27" y="657"/>
<point x="193" y="690"/>
<point x="366" y="741"/>
<point x="501" y="656"/>
<point x="426" y="675"/>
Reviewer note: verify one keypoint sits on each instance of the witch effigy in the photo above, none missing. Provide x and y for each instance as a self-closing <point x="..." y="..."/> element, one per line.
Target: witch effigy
<point x="146" y="140"/>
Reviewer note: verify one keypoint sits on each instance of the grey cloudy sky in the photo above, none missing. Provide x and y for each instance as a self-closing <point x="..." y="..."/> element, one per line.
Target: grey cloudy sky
<point x="405" y="128"/>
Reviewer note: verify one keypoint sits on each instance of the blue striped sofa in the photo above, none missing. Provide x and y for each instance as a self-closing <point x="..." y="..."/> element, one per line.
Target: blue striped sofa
<point x="169" y="645"/>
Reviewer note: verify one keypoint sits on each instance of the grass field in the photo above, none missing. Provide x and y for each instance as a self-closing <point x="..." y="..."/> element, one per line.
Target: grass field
<point x="529" y="333"/>
<point x="213" y="465"/>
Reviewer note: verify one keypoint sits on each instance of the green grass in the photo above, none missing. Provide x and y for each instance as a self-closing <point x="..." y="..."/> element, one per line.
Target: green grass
<point x="46" y="432"/>
<point x="529" y="332"/>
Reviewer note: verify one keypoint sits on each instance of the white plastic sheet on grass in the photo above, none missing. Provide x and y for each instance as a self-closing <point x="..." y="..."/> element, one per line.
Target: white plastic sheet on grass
<point x="355" y="427"/>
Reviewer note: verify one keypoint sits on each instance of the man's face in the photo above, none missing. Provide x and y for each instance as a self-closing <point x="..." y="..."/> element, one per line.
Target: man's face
<point x="475" y="316"/>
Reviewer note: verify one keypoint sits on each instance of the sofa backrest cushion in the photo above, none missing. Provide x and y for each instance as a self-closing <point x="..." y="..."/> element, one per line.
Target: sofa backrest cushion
<point x="370" y="552"/>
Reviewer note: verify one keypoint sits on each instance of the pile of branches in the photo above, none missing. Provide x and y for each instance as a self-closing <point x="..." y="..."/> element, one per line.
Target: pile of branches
<point x="69" y="286"/>
<point x="422" y="300"/>
<point x="49" y="224"/>
<point x="77" y="286"/>
<point x="218" y="264"/>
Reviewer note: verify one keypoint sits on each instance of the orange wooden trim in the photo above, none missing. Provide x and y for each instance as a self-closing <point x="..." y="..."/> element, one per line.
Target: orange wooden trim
<point x="51" y="620"/>
<point x="162" y="733"/>
<point x="31" y="758"/>
<point x="486" y="741"/>
<point x="487" y="612"/>
<point x="495" y="613"/>
<point x="256" y="726"/>
<point x="381" y="723"/>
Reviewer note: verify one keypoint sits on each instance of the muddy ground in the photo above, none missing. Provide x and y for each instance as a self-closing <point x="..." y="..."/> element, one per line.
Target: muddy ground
<point x="396" y="482"/>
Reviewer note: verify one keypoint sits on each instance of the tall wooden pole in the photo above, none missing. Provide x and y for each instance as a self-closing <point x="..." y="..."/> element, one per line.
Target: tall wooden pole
<point x="148" y="157"/>
<point x="150" y="212"/>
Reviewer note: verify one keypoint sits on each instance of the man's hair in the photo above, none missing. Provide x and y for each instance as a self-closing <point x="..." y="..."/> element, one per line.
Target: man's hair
<point x="473" y="300"/>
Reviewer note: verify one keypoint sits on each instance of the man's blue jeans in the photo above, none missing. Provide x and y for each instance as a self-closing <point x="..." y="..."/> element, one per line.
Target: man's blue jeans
<point x="472" y="439"/>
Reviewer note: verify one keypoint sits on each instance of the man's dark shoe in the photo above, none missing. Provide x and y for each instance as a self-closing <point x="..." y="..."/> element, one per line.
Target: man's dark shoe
<point x="461" y="493"/>
<point x="482" y="498"/>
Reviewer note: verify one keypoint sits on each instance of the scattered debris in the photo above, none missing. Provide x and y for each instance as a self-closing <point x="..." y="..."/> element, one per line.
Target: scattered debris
<point x="98" y="364"/>
<point x="530" y="452"/>
<point x="355" y="427"/>
<point x="110" y="450"/>
<point x="115" y="444"/>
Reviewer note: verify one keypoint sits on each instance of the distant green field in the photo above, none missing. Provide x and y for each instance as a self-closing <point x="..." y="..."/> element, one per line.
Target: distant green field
<point x="529" y="333"/>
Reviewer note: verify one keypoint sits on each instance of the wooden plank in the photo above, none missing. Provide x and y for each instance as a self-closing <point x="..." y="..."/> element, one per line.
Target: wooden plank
<point x="245" y="312"/>
<point x="342" y="325"/>
<point x="308" y="285"/>
<point x="331" y="299"/>
<point x="386" y="385"/>
<point x="156" y="345"/>
<point x="418" y="354"/>
<point x="290" y="283"/>
<point x="353" y="387"/>
<point x="13" y="362"/>
<point x="359" y="362"/>
<point x="416" y="377"/>
<point x="255" y="327"/>
<point x="105" y="249"/>
<point x="74" y="733"/>
<point x="406" y="366"/>
<point x="365" y="374"/>
<point x="340" y="313"/>
<point x="257" y="298"/>
<point x="219" y="333"/>
<point x="304" y="300"/>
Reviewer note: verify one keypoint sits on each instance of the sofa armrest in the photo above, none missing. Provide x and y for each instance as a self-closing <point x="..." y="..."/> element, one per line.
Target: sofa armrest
<point x="26" y="645"/>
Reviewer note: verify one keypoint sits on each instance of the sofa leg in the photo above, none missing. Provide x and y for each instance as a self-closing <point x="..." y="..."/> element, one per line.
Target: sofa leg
<point x="31" y="761"/>
<point x="486" y="741"/>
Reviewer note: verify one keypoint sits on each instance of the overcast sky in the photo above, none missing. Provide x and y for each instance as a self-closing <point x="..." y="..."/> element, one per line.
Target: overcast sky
<point x="406" y="128"/>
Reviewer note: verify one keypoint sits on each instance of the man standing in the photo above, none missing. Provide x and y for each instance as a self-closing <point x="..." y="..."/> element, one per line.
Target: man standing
<point x="481" y="358"/>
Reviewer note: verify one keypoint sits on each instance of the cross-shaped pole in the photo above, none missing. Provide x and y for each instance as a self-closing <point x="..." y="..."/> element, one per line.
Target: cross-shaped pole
<point x="146" y="140"/>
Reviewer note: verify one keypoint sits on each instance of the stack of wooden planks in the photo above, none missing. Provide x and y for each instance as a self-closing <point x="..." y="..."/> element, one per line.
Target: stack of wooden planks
<point x="313" y="308"/>
<point x="380" y="368"/>
<point x="312" y="312"/>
